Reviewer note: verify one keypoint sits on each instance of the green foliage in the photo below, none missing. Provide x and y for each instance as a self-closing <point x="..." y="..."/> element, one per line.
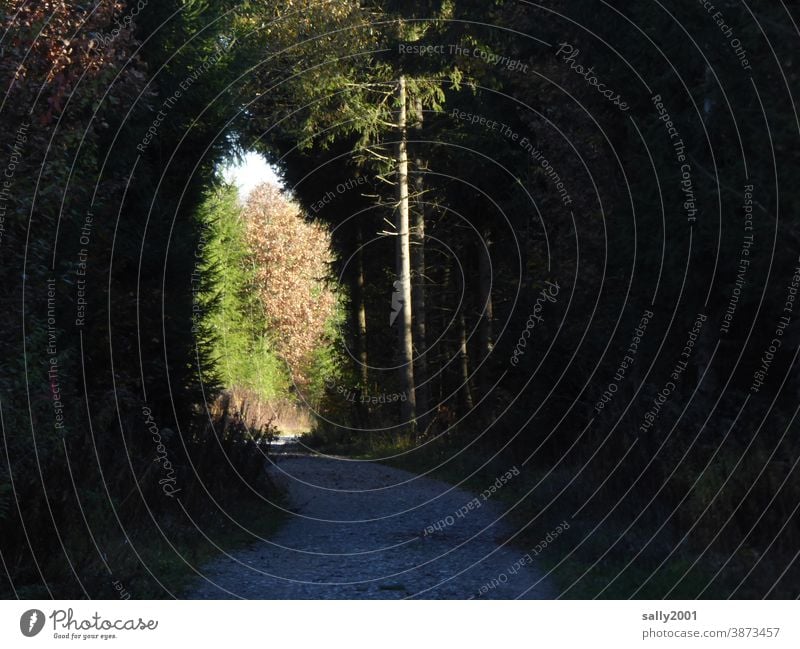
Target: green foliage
<point x="234" y="317"/>
<point x="79" y="103"/>
<point x="329" y="364"/>
<point x="236" y="308"/>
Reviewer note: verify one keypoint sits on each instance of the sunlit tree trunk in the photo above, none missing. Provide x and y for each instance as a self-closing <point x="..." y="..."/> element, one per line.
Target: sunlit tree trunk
<point x="404" y="326"/>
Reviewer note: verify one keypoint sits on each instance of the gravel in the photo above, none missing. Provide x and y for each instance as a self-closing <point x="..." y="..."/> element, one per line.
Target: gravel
<point x="361" y="530"/>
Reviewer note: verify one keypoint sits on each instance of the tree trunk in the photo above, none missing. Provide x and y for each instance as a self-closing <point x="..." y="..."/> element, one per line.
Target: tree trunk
<point x="466" y="391"/>
<point x="404" y="322"/>
<point x="445" y="348"/>
<point x="361" y="314"/>
<point x="486" y="329"/>
<point x="486" y="309"/>
<point x="423" y="390"/>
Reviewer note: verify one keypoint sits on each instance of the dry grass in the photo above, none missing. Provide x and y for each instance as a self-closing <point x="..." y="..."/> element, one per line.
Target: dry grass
<point x="284" y="415"/>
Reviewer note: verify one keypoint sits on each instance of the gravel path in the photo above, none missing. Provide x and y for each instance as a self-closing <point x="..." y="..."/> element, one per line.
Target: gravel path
<point x="361" y="530"/>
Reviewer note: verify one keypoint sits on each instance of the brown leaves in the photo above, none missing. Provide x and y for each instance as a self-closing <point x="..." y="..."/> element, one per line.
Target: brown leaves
<point x="293" y="257"/>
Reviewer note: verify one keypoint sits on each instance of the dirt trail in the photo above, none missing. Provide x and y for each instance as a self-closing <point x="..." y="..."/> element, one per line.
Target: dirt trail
<point x="361" y="530"/>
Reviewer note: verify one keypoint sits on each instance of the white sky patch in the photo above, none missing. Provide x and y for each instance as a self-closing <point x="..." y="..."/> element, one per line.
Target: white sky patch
<point x="250" y="172"/>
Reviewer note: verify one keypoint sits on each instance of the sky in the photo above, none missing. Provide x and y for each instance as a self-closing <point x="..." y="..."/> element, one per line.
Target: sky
<point x="253" y="170"/>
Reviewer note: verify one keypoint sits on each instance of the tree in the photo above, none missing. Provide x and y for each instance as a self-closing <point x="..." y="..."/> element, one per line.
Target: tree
<point x="403" y="233"/>
<point x="292" y="260"/>
<point x="364" y="99"/>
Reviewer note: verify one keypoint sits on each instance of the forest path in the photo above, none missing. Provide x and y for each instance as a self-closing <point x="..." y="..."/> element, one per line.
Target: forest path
<point x="361" y="530"/>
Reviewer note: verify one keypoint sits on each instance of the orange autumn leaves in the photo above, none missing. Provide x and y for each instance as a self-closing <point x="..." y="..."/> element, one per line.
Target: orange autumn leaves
<point x="292" y="260"/>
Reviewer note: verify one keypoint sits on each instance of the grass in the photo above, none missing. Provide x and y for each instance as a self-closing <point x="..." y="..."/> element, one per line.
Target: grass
<point x="195" y="550"/>
<point x="171" y="566"/>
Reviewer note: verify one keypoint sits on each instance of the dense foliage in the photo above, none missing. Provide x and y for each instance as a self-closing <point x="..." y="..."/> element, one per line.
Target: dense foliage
<point x="109" y="459"/>
<point x="245" y="349"/>
<point x="580" y="307"/>
<point x="579" y="201"/>
<point x="292" y="258"/>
